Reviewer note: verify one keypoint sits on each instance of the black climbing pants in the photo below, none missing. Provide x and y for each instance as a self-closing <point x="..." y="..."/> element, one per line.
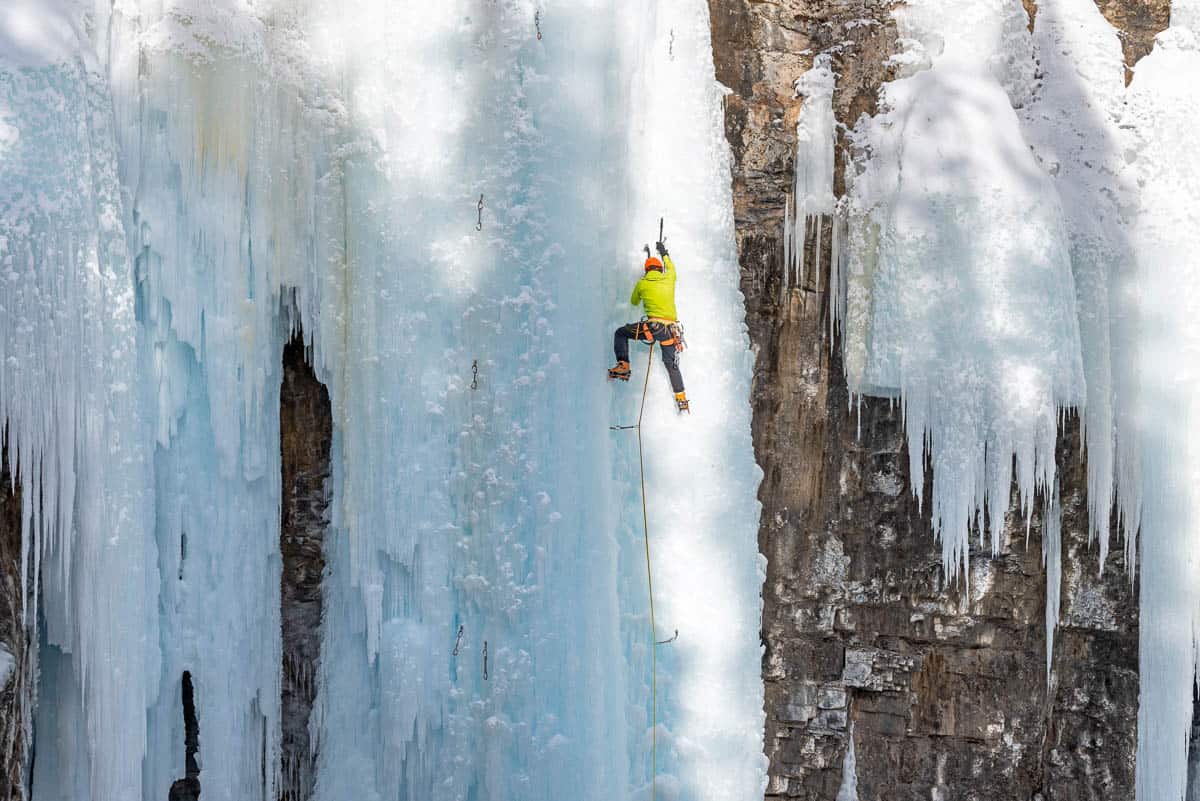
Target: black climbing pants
<point x="661" y="332"/>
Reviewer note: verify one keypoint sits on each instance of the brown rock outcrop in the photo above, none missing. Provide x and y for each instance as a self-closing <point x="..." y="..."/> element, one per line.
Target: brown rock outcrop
<point x="1137" y="22"/>
<point x="305" y="436"/>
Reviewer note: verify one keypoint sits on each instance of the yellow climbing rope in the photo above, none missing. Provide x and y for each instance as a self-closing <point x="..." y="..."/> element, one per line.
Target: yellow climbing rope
<point x="650" y="589"/>
<point x="649" y="582"/>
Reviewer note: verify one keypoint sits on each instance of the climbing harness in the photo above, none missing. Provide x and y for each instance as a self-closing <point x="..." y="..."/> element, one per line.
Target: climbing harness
<point x="649" y="580"/>
<point x="645" y="332"/>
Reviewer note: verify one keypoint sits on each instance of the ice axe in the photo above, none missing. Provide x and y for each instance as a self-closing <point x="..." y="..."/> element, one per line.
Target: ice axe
<point x="660" y="237"/>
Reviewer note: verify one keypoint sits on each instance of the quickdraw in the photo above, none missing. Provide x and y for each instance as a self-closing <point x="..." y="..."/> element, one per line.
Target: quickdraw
<point x="679" y="341"/>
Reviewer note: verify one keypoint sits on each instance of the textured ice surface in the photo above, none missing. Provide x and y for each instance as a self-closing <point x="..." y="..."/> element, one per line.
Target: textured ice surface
<point x="71" y="391"/>
<point x="702" y="518"/>
<point x="1072" y="125"/>
<point x="182" y="184"/>
<point x="959" y="288"/>
<point x="1185" y="14"/>
<point x="1160" y="111"/>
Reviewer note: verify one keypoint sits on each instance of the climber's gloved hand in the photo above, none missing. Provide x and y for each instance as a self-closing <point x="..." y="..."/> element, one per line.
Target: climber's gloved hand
<point x="661" y="248"/>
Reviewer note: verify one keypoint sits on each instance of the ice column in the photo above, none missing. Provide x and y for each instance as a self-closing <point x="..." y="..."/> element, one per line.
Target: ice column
<point x="812" y="189"/>
<point x="1052" y="562"/>
<point x="212" y="175"/>
<point x="470" y="646"/>
<point x="1161" y="111"/>
<point x="73" y="402"/>
<point x="959" y="288"/>
<point x="1072" y="126"/>
<point x="700" y="470"/>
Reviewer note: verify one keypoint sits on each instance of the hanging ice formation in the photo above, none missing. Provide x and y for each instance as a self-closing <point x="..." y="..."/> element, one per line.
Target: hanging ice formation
<point x="1165" y="234"/>
<point x="960" y="292"/>
<point x="182" y="185"/>
<point x="809" y="208"/>
<point x="1020" y="245"/>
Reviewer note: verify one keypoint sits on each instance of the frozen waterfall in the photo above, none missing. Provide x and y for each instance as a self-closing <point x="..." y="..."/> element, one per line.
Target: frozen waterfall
<point x="422" y="188"/>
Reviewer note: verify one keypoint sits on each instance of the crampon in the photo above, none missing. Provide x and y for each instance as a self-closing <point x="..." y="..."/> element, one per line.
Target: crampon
<point x="620" y="372"/>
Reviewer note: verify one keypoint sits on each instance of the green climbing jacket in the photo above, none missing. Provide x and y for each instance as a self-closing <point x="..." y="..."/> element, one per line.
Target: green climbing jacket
<point x="656" y="291"/>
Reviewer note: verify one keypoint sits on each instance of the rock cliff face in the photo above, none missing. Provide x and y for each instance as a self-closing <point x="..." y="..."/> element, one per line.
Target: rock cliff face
<point x="943" y="690"/>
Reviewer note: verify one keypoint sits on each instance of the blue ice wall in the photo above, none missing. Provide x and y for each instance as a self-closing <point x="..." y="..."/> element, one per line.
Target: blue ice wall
<point x="451" y="200"/>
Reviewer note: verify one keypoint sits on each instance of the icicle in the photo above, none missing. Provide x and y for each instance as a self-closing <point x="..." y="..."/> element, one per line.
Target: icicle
<point x="848" y="791"/>
<point x="812" y="186"/>
<point x="787" y="249"/>
<point x="1052" y="562"/>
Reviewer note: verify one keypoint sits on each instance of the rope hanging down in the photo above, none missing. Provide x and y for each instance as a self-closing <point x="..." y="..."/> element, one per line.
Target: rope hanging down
<point x="654" y="643"/>
<point x="650" y="589"/>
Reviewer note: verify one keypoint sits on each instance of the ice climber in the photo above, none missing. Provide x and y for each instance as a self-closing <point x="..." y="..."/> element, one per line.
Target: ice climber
<point x="656" y="293"/>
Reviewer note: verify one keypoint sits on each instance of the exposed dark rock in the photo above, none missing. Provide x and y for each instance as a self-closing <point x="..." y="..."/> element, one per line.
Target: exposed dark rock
<point x="16" y="689"/>
<point x="945" y="687"/>
<point x="188" y="788"/>
<point x="305" y="434"/>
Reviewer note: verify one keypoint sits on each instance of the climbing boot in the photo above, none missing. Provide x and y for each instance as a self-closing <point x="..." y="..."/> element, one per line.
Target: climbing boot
<point x="681" y="402"/>
<point x="620" y="372"/>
